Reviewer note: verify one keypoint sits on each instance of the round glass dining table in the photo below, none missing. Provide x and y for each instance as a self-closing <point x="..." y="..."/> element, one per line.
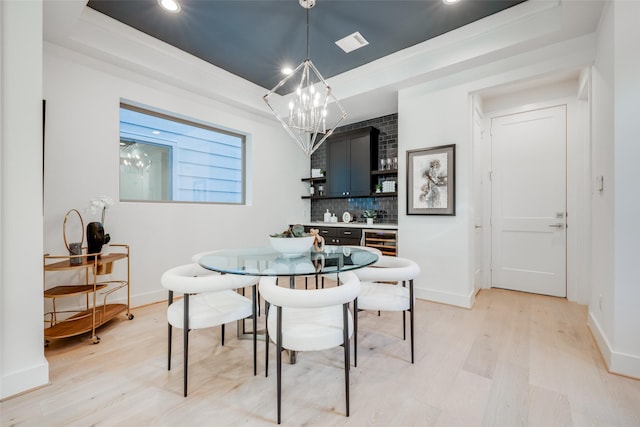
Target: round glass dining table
<point x="265" y="261"/>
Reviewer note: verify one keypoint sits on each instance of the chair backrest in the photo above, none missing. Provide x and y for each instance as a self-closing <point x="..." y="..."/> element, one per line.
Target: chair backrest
<point x="310" y="298"/>
<point x="192" y="279"/>
<point x="389" y="268"/>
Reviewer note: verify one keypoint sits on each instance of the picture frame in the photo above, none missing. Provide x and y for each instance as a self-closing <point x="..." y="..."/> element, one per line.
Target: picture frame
<point x="431" y="183"/>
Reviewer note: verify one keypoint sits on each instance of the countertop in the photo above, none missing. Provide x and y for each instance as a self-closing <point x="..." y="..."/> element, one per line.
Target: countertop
<point x="353" y="225"/>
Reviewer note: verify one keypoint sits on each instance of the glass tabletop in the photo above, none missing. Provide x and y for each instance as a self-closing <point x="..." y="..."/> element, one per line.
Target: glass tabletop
<point x="265" y="261"/>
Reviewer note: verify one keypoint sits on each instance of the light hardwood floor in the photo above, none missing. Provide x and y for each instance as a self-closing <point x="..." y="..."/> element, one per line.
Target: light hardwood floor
<point x="514" y="359"/>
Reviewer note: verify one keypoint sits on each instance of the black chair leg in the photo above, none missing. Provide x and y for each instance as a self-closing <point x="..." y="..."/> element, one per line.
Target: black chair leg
<point x="186" y="341"/>
<point x="355" y="332"/>
<point x="404" y="319"/>
<point x="347" y="363"/>
<point x="411" y="311"/>
<point x="222" y="333"/>
<point x="279" y="363"/>
<point x="170" y="301"/>
<point x="404" y="326"/>
<point x="266" y="339"/>
<point x="169" y="348"/>
<point x="255" y="329"/>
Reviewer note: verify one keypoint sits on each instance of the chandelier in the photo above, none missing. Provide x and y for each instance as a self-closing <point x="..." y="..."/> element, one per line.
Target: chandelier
<point x="313" y="112"/>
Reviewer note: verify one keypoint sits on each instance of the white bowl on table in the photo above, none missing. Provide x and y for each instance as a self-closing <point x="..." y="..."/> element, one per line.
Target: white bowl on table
<point x="291" y="246"/>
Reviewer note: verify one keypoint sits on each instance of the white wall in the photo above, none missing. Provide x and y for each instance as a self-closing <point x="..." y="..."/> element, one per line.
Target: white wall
<point x="22" y="362"/>
<point x="613" y="313"/>
<point x="439" y="244"/>
<point x="82" y="162"/>
<point x="627" y="176"/>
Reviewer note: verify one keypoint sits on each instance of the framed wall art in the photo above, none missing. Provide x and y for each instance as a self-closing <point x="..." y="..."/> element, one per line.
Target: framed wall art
<point x="431" y="185"/>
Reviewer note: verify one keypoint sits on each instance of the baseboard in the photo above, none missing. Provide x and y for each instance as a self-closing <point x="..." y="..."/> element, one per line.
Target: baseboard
<point x="25" y="380"/>
<point x="148" y="298"/>
<point x="616" y="362"/>
<point x="464" y="301"/>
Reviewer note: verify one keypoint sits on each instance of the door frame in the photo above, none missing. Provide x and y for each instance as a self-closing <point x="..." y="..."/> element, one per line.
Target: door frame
<point x="578" y="188"/>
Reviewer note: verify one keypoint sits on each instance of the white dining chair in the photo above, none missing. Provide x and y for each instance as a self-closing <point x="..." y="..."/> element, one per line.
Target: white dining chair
<point x="309" y="320"/>
<point x="333" y="277"/>
<point x="383" y="288"/>
<point x="209" y="299"/>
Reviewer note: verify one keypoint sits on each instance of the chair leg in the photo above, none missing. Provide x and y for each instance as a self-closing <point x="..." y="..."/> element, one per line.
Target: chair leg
<point x="347" y="363"/>
<point x="222" y="333"/>
<point x="169" y="349"/>
<point x="279" y="362"/>
<point x="355" y="332"/>
<point x="266" y="339"/>
<point x="170" y="301"/>
<point x="404" y="319"/>
<point x="255" y="330"/>
<point x="305" y="283"/>
<point x="186" y="340"/>
<point x="411" y="311"/>
<point x="404" y="325"/>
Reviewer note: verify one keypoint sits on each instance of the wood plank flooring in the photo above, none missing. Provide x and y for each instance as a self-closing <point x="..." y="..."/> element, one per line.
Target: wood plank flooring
<point x="515" y="359"/>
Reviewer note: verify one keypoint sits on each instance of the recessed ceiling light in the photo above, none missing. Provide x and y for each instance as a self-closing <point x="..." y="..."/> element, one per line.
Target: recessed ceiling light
<point x="286" y="71"/>
<point x="170" y="5"/>
<point x="450" y="1"/>
<point x="352" y="42"/>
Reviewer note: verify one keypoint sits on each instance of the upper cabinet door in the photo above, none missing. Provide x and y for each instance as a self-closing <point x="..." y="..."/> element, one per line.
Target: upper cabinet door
<point x="350" y="158"/>
<point x="337" y="166"/>
<point x="360" y="165"/>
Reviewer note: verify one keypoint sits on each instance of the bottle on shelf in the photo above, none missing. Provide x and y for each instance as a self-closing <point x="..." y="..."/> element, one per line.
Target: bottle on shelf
<point x="327" y="216"/>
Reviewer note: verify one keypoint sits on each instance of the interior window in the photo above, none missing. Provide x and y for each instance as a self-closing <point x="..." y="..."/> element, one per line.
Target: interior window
<point x="164" y="158"/>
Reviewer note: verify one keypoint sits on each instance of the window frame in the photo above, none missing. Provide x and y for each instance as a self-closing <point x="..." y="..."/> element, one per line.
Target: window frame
<point x="173" y="169"/>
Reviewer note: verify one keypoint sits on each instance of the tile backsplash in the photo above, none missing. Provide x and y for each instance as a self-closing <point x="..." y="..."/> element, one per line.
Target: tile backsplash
<point x="385" y="207"/>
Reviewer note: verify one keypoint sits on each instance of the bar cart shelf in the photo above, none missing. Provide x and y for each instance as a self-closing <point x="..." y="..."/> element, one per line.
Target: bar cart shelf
<point x="97" y="311"/>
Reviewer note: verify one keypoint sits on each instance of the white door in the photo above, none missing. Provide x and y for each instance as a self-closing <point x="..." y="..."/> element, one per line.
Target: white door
<point x="528" y="192"/>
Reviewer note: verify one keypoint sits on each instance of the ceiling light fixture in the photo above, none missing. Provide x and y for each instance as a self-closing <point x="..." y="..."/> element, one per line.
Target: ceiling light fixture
<point x="170" y="5"/>
<point x="307" y="114"/>
<point x="450" y="1"/>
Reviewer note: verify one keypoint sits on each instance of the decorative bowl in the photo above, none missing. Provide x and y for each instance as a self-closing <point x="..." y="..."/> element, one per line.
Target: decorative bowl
<point x="292" y="246"/>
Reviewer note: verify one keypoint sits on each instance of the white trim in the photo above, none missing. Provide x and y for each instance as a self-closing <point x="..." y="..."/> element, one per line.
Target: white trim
<point x="458" y="300"/>
<point x="616" y="362"/>
<point x="24" y="380"/>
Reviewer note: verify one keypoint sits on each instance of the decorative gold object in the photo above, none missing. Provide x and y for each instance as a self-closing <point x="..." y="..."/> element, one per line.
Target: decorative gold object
<point x="64" y="228"/>
<point x="74" y="248"/>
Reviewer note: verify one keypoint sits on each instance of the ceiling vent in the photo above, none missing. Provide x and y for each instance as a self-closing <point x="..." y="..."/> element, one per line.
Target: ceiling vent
<point x="352" y="42"/>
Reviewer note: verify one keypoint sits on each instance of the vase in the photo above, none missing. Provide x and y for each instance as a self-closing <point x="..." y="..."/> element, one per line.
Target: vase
<point x="95" y="238"/>
<point x="369" y="221"/>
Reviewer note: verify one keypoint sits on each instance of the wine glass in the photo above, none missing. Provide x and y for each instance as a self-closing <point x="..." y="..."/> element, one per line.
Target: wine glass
<point x="383" y="163"/>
